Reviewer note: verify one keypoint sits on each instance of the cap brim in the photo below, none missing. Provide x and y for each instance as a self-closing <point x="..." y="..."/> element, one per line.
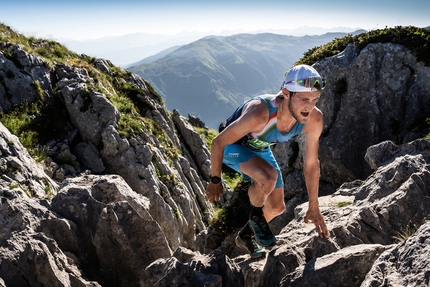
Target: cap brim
<point x="296" y="88"/>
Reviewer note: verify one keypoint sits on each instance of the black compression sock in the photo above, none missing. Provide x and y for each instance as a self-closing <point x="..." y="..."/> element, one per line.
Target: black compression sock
<point x="256" y="211"/>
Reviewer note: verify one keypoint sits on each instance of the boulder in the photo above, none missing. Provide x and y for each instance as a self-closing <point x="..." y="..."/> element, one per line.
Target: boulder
<point x="20" y="74"/>
<point x="117" y="235"/>
<point x="406" y="264"/>
<point x="214" y="269"/>
<point x="347" y="267"/>
<point x="37" y="246"/>
<point x="372" y="95"/>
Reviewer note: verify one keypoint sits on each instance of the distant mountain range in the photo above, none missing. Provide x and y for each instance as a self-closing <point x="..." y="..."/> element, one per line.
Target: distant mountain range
<point x="129" y="48"/>
<point x="210" y="77"/>
<point x="155" y="57"/>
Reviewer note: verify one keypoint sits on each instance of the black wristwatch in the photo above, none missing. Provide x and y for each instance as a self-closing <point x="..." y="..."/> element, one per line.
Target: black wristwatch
<point x="215" y="179"/>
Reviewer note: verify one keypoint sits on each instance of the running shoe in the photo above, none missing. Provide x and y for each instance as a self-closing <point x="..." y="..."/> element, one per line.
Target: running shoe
<point x="262" y="232"/>
<point x="249" y="244"/>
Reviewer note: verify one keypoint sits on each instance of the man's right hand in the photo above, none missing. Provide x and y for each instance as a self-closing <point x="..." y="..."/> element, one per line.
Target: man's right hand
<point x="213" y="191"/>
<point x="314" y="214"/>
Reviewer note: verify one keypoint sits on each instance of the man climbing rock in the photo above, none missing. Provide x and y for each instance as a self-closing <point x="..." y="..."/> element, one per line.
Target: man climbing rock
<point x="244" y="144"/>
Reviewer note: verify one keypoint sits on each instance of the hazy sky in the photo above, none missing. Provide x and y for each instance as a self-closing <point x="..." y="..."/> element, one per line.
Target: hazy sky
<point x="90" y="19"/>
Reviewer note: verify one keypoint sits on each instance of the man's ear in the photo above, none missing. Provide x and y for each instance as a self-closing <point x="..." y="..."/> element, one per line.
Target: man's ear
<point x="285" y="92"/>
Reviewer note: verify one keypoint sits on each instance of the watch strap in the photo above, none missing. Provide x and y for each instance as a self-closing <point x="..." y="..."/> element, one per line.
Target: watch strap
<point x="215" y="179"/>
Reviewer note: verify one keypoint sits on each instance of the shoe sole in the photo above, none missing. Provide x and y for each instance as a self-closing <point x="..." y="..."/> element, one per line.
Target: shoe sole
<point x="261" y="243"/>
<point x="241" y="246"/>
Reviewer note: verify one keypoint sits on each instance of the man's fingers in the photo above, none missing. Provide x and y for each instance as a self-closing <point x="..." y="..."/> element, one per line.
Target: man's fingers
<point x="210" y="196"/>
<point x="319" y="229"/>
<point x="213" y="195"/>
<point x="322" y="230"/>
<point x="320" y="226"/>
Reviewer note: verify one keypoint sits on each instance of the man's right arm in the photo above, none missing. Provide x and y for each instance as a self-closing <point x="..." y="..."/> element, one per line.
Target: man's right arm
<point x="252" y="119"/>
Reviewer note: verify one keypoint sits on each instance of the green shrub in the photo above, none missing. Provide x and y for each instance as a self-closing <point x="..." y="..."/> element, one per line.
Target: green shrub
<point x="153" y="92"/>
<point x="14" y="185"/>
<point x="417" y="40"/>
<point x="427" y="125"/>
<point x="230" y="217"/>
<point x="135" y="95"/>
<point x="207" y="134"/>
<point x="51" y="50"/>
<point x="230" y="176"/>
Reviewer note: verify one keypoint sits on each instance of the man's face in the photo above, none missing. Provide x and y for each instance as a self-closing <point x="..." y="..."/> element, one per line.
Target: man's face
<point x="302" y="104"/>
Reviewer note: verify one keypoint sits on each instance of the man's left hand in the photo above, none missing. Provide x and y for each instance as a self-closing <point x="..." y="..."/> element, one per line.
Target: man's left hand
<point x="314" y="214"/>
<point x="213" y="191"/>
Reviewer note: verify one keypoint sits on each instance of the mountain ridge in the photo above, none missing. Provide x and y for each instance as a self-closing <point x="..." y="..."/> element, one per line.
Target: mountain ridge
<point x="221" y="62"/>
<point x="125" y="49"/>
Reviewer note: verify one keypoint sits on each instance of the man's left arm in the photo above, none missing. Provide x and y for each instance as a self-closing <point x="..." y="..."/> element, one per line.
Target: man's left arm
<point x="312" y="174"/>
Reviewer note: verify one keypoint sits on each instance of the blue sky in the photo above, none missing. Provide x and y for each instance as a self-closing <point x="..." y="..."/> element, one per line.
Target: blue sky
<point x="91" y="19"/>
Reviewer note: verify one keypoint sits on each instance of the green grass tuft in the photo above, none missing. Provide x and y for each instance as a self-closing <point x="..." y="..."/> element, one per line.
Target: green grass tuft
<point x="344" y="203"/>
<point x="407" y="232"/>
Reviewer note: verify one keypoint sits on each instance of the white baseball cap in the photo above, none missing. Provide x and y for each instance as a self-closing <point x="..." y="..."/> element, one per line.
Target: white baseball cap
<point x="303" y="78"/>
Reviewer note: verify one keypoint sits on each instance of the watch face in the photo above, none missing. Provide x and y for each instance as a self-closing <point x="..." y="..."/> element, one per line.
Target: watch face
<point x="215" y="179"/>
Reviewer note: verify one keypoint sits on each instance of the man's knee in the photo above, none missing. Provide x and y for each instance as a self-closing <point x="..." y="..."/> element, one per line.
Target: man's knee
<point x="268" y="181"/>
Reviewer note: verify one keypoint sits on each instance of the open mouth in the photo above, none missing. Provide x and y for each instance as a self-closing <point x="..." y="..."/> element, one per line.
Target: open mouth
<point x="305" y="114"/>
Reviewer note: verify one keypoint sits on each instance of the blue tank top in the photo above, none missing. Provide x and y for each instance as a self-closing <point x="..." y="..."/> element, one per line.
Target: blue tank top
<point x="270" y="134"/>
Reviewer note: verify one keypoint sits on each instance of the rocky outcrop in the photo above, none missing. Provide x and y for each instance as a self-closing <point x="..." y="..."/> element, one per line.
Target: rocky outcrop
<point x="366" y="220"/>
<point x="372" y="95"/>
<point x="94" y="145"/>
<point x="90" y="112"/>
<point x="97" y="228"/>
<point x="194" y="144"/>
<point x="406" y="264"/>
<point x="18" y="83"/>
<point x="375" y="94"/>
<point x="335" y="269"/>
<point x="95" y="224"/>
